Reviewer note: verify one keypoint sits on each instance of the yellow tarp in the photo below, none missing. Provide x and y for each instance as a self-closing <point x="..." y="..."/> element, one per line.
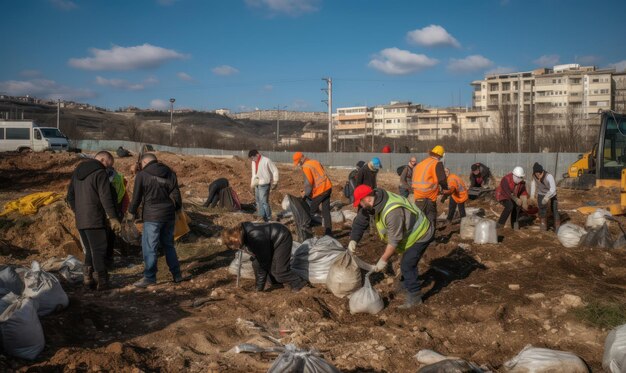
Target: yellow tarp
<point x="182" y="225"/>
<point x="30" y="204"/>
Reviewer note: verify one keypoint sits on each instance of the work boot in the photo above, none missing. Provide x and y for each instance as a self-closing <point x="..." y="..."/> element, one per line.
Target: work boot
<point x="179" y="278"/>
<point x="144" y="283"/>
<point x="299" y="286"/>
<point x="102" y="280"/>
<point x="543" y="226"/>
<point x="412" y="300"/>
<point x="88" y="281"/>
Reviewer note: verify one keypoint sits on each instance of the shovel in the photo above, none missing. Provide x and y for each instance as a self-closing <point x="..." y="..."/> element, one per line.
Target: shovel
<point x="239" y="267"/>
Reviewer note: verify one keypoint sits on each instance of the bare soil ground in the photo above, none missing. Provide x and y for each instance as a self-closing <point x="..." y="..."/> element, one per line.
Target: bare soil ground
<point x="483" y="303"/>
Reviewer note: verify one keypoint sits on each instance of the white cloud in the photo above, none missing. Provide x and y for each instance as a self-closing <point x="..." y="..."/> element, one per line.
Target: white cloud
<point x="547" y="60"/>
<point x="44" y="88"/>
<point x="470" y="63"/>
<point x="159" y="104"/>
<point x="268" y="87"/>
<point x="184" y="76"/>
<point x="500" y="70"/>
<point x="124" y="84"/>
<point x="224" y="70"/>
<point x="289" y="7"/>
<point x="30" y="73"/>
<point x="432" y="36"/>
<point x="63" y="4"/>
<point x="126" y="58"/>
<point x="396" y="61"/>
<point x="619" y="66"/>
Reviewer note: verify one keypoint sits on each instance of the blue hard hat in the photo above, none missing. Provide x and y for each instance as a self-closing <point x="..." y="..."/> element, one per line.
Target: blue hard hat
<point x="376" y="162"/>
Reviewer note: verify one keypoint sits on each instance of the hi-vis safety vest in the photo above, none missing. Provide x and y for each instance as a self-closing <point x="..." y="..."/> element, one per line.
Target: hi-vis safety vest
<point x="459" y="194"/>
<point x="425" y="183"/>
<point x="117" y="181"/>
<point x="316" y="176"/>
<point x="420" y="228"/>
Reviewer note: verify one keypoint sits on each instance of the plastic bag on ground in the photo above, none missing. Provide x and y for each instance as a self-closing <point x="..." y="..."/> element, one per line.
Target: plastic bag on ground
<point x="597" y="238"/>
<point x="313" y="258"/>
<point x="20" y="330"/>
<point x="620" y="243"/>
<point x="294" y="360"/>
<point x="366" y="299"/>
<point x="597" y="219"/>
<point x="10" y="280"/>
<point x="485" y="232"/>
<point x="479" y="211"/>
<point x="542" y="360"/>
<point x="349" y="215"/>
<point x="337" y="217"/>
<point x="451" y="366"/>
<point x="468" y="224"/>
<point x="614" y="359"/>
<point x="569" y="234"/>
<point x="72" y="269"/>
<point x="285" y="203"/>
<point x="344" y="276"/>
<point x="247" y="271"/>
<point x="45" y="288"/>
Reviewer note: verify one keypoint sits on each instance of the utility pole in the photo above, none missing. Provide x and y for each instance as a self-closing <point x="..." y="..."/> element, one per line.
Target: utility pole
<point x="329" y="102"/>
<point x="58" y="112"/>
<point x="519" y="100"/>
<point x="278" y="122"/>
<point x="172" y="100"/>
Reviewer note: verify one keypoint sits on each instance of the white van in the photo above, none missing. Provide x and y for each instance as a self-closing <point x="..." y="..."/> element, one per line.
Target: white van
<point x="25" y="135"/>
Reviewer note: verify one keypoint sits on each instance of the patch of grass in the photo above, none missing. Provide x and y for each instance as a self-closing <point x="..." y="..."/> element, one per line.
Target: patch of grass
<point x="603" y="315"/>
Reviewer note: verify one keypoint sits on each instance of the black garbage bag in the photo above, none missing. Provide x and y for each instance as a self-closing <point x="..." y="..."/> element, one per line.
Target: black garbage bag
<point x="599" y="238"/>
<point x="302" y="217"/>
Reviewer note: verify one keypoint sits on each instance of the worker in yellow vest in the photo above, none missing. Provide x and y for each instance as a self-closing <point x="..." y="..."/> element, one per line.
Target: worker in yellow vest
<point x="402" y="226"/>
<point x="429" y="179"/>
<point x="317" y="188"/>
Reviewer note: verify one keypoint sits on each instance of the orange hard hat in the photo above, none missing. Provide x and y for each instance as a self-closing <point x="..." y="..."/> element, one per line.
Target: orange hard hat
<point x="297" y="156"/>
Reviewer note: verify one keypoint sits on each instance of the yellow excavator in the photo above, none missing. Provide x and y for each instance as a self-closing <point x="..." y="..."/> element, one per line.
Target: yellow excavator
<point x="604" y="165"/>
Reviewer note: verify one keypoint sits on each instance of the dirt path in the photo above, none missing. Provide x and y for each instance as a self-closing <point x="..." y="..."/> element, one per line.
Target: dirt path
<point x="483" y="302"/>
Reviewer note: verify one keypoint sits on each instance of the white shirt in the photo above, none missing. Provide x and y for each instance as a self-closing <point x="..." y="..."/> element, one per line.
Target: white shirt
<point x="267" y="174"/>
<point x="547" y="188"/>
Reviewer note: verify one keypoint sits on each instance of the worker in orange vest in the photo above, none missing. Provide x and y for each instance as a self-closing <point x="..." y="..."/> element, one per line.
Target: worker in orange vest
<point x="317" y="188"/>
<point x="428" y="177"/>
<point x="458" y="191"/>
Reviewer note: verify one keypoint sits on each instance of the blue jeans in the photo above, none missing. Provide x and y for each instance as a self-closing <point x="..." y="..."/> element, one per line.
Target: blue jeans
<point x="153" y="234"/>
<point x="262" y="195"/>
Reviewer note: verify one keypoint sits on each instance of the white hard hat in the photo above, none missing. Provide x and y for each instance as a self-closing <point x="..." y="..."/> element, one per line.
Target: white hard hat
<point x="519" y="172"/>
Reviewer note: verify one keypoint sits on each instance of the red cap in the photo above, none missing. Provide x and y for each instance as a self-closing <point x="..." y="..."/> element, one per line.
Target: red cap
<point x="361" y="192"/>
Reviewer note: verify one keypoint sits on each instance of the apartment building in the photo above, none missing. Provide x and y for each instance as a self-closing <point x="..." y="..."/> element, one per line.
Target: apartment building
<point x="395" y="119"/>
<point x="353" y="122"/>
<point x="619" y="92"/>
<point x="433" y="124"/>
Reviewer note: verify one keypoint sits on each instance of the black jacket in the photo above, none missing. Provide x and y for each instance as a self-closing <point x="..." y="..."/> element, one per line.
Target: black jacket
<point x="157" y="186"/>
<point x="485" y="174"/>
<point x="262" y="238"/>
<point x="90" y="196"/>
<point x="366" y="176"/>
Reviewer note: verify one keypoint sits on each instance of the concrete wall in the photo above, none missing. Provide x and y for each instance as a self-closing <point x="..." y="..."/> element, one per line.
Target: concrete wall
<point x="500" y="163"/>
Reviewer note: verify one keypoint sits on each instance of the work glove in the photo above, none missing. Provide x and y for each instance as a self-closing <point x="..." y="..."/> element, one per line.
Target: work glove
<point x="352" y="246"/>
<point x="381" y="265"/>
<point x="130" y="217"/>
<point x="274" y="186"/>
<point x="524" y="200"/>
<point x="533" y="202"/>
<point x="516" y="200"/>
<point x="116" y="226"/>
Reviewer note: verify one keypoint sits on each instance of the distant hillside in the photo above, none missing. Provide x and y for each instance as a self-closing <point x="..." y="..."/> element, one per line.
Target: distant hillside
<point x="194" y="129"/>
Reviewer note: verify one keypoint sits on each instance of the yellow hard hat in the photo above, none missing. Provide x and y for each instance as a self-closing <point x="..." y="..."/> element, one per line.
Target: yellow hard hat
<point x="438" y="150"/>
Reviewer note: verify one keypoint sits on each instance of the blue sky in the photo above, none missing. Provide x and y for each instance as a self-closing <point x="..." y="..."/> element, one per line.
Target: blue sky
<point x="246" y="54"/>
